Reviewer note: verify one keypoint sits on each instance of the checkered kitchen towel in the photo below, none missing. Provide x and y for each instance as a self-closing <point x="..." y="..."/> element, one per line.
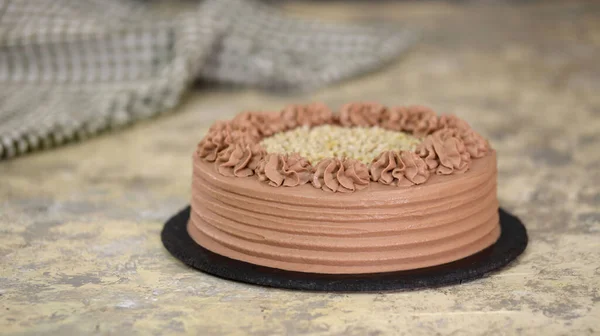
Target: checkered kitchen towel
<point x="72" y="68"/>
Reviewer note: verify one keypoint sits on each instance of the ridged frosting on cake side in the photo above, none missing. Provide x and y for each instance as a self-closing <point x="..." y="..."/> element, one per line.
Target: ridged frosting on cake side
<point x="378" y="229"/>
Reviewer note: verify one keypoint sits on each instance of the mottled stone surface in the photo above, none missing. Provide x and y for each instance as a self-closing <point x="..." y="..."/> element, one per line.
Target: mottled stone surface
<point x="80" y="251"/>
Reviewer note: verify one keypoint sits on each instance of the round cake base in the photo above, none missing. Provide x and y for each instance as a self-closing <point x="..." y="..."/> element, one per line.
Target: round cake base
<point x="510" y="245"/>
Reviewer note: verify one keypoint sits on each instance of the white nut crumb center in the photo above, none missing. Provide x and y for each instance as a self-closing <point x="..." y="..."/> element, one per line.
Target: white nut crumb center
<point x="360" y="143"/>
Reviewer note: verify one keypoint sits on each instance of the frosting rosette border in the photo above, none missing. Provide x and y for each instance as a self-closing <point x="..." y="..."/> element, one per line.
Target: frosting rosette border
<point x="448" y="146"/>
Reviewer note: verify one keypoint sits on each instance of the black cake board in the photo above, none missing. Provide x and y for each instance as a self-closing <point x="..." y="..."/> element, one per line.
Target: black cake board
<point x="512" y="242"/>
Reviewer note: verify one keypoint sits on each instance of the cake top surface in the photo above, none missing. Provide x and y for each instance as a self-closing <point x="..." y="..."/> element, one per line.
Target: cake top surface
<point x="326" y="141"/>
<point x="344" y="151"/>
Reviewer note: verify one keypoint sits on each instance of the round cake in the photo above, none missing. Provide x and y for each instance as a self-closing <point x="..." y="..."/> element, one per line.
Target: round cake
<point x="368" y="189"/>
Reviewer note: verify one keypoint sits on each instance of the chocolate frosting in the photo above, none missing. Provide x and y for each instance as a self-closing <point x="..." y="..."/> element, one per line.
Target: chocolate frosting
<point x="444" y="217"/>
<point x="452" y="121"/>
<point x="426" y="151"/>
<point x="361" y="114"/>
<point x="263" y="124"/>
<point x="221" y="136"/>
<point x="414" y="170"/>
<point x="210" y="146"/>
<point x="418" y="120"/>
<point x="399" y="168"/>
<point x="379" y="229"/>
<point x="384" y="168"/>
<point x="340" y="175"/>
<point x="284" y="170"/>
<point x="421" y="121"/>
<point x="448" y="147"/>
<point x="474" y="143"/>
<point x="239" y="160"/>
<point x="306" y="115"/>
<point x="449" y="150"/>
<point x="444" y="152"/>
<point x="395" y="118"/>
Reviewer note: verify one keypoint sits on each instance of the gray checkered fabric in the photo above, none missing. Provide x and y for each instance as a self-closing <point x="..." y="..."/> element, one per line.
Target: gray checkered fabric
<point x="72" y="68"/>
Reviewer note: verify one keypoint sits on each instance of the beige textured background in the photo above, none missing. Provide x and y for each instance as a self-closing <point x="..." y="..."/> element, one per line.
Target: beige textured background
<point x="80" y="251"/>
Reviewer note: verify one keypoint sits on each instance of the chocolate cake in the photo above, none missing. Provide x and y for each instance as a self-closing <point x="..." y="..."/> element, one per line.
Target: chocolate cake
<point x="367" y="189"/>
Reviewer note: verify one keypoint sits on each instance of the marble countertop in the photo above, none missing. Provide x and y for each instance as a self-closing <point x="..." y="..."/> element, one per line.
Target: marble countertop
<point x="80" y="251"/>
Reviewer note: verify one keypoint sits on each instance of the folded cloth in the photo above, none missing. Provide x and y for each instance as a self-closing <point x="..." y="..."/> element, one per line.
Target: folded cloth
<point x="72" y="68"/>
